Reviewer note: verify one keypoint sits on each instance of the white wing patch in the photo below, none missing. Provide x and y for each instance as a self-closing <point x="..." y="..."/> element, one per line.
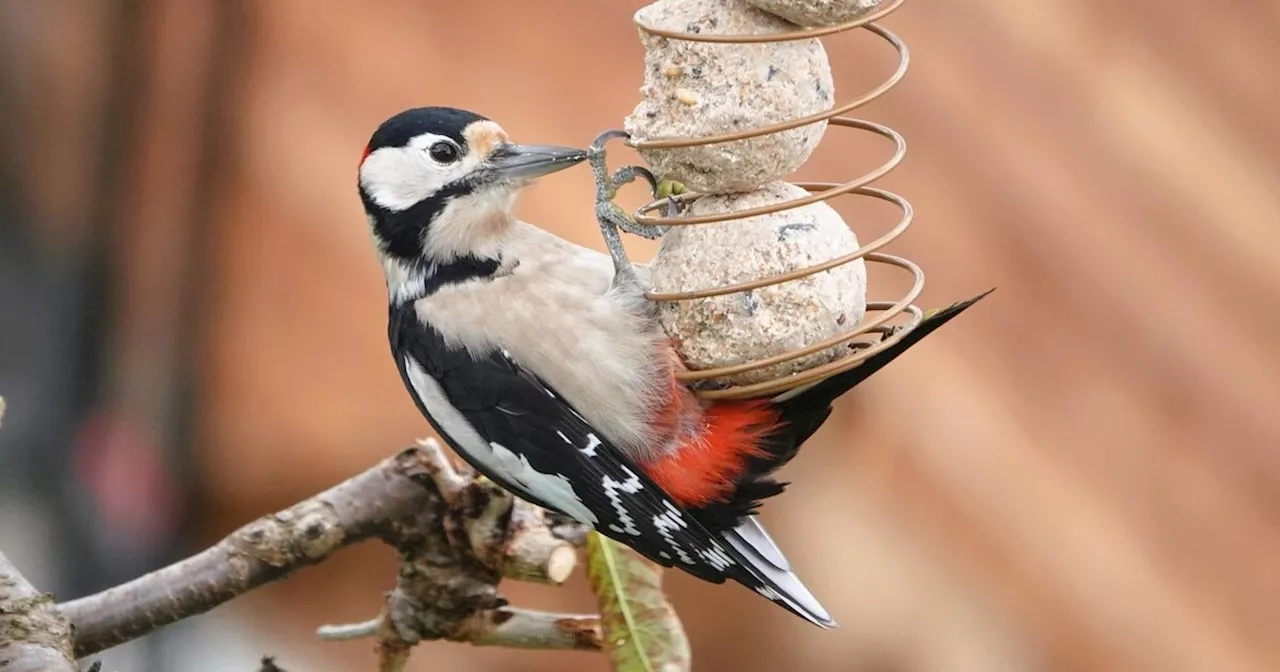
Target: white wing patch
<point x="593" y="442"/>
<point x="716" y="557"/>
<point x="665" y="523"/>
<point x="589" y="450"/>
<point x="613" y="489"/>
<point x="554" y="489"/>
<point x="508" y="462"/>
<point x="769" y="593"/>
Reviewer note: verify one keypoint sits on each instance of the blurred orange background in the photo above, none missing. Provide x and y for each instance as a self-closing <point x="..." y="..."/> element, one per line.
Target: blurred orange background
<point x="1081" y="473"/>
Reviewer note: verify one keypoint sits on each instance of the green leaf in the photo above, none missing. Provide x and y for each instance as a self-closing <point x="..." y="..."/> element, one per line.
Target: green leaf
<point x="667" y="188"/>
<point x="641" y="629"/>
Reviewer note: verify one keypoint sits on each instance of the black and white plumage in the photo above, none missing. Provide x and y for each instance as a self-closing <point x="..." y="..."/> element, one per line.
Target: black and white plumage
<point x="547" y="371"/>
<point x="520" y="433"/>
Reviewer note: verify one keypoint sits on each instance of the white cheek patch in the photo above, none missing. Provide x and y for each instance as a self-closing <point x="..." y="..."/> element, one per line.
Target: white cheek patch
<point x="554" y="489"/>
<point x="399" y="177"/>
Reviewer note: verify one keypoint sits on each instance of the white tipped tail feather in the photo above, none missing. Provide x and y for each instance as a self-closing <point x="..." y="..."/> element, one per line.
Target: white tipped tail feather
<point x="760" y="555"/>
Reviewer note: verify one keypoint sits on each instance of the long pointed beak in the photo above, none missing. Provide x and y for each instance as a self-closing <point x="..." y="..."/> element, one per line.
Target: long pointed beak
<point x="525" y="162"/>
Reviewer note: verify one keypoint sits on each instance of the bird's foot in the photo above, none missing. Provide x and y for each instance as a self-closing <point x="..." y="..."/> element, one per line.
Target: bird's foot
<point x="628" y="174"/>
<point x="612" y="219"/>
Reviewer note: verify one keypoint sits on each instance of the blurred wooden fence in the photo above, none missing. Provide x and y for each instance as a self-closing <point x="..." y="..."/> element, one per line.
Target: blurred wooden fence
<point x="1081" y="474"/>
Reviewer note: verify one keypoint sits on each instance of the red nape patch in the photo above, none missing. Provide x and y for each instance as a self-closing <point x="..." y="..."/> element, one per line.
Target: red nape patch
<point x="368" y="149"/>
<point x="706" y="468"/>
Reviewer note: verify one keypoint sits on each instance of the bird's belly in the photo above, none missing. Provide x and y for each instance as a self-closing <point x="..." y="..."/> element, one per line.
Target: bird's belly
<point x="599" y="353"/>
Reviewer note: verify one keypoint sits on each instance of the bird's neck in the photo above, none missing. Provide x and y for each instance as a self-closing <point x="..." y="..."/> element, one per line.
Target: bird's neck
<point x="408" y="282"/>
<point x="406" y="279"/>
<point x="462" y="240"/>
<point x="475" y="225"/>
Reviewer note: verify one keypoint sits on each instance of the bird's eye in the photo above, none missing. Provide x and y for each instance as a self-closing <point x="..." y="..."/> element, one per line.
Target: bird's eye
<point x="444" y="152"/>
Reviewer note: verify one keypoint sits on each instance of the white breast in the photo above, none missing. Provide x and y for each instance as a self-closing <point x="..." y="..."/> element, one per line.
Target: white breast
<point x="554" y="312"/>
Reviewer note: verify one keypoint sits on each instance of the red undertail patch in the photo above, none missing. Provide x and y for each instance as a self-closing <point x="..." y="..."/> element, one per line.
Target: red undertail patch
<point x="706" y="469"/>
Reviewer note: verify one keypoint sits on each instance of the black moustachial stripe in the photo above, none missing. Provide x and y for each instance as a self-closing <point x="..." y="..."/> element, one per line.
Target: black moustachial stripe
<point x="458" y="270"/>
<point x="437" y="276"/>
<point x="403" y="231"/>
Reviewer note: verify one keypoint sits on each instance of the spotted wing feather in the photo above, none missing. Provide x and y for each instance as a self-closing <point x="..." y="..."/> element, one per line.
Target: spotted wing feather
<point x="512" y="408"/>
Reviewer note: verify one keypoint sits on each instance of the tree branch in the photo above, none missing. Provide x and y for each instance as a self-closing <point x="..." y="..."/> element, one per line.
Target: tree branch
<point x="34" y="635"/>
<point x="265" y="550"/>
<point x="513" y="628"/>
<point x="457" y="535"/>
<point x="449" y="572"/>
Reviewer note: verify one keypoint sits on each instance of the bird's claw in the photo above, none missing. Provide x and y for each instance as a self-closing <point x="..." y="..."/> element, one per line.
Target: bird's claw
<point x="611" y="218"/>
<point x="597" y="145"/>
<point x="628" y="174"/>
<point x="646" y="231"/>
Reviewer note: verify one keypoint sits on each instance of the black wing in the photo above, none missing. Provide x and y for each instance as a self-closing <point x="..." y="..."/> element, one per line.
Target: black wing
<point x="553" y="446"/>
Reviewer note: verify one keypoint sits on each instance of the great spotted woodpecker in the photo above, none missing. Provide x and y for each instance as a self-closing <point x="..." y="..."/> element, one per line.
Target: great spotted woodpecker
<point x="547" y="371"/>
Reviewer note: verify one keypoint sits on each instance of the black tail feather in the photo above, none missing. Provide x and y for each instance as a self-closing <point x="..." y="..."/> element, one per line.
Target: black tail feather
<point x="802" y="415"/>
<point x="806" y="412"/>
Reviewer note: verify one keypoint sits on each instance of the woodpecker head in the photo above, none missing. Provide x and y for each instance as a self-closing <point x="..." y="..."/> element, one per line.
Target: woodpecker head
<point x="438" y="184"/>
